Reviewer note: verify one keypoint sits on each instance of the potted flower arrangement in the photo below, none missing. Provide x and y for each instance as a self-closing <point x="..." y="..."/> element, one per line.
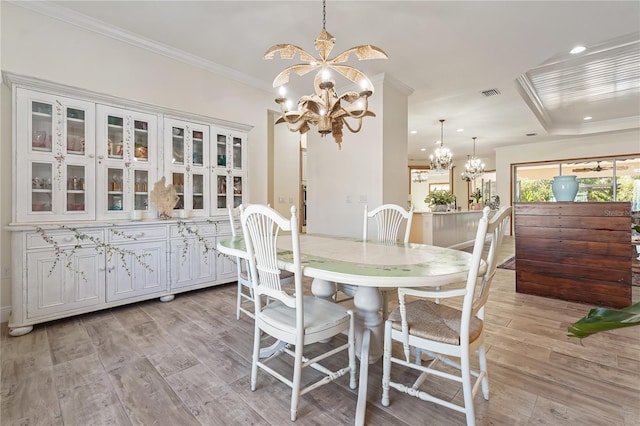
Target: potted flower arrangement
<point x="474" y="201"/>
<point x="440" y="199"/>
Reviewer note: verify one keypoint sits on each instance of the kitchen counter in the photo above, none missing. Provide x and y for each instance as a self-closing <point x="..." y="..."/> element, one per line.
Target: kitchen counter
<point x="444" y="229"/>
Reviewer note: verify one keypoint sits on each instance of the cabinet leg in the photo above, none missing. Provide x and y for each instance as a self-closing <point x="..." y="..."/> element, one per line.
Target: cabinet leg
<point x="167" y="298"/>
<point x="20" y="331"/>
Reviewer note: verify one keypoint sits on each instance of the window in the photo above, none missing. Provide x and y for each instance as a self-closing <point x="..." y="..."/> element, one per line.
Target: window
<point x="610" y="179"/>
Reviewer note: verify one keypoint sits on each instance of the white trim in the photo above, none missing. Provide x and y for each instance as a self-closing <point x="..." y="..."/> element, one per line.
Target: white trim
<point x="33" y="83"/>
<point x="5" y="313"/>
<point x="100" y="27"/>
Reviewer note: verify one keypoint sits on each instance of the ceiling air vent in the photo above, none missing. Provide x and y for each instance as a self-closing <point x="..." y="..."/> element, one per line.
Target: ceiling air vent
<point x="490" y="92"/>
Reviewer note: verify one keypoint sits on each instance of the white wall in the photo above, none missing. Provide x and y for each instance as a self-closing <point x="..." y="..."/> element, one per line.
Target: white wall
<point x="286" y="169"/>
<point x="39" y="46"/>
<point x="371" y="168"/>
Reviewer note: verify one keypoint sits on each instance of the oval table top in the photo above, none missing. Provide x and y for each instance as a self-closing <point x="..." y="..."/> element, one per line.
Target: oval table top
<point x="356" y="262"/>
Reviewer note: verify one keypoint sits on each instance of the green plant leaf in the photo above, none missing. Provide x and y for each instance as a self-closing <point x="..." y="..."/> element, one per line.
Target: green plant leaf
<point x="604" y="319"/>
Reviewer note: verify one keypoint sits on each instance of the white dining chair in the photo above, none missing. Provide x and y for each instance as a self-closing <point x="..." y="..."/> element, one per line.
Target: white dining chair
<point x="245" y="292"/>
<point x="446" y="330"/>
<point x="389" y="219"/>
<point x="291" y="317"/>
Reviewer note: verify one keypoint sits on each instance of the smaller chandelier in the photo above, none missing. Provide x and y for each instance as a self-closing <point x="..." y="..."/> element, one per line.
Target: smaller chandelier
<point x="474" y="167"/>
<point x="419" y="176"/>
<point x="324" y="108"/>
<point x="441" y="159"/>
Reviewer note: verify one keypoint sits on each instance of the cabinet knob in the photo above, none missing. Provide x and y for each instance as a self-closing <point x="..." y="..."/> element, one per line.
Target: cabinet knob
<point x="91" y="155"/>
<point x="67" y="239"/>
<point x="139" y="235"/>
<point x="100" y="156"/>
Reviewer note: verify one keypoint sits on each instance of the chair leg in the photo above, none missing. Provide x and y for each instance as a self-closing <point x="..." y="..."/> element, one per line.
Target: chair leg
<point x="239" y="300"/>
<point x="482" y="360"/>
<point x="386" y="363"/>
<point x="297" y="378"/>
<point x="352" y="351"/>
<point x="465" y="370"/>
<point x="256" y="356"/>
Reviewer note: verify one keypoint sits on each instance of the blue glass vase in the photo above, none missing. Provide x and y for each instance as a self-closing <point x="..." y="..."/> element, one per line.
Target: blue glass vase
<point x="565" y="187"/>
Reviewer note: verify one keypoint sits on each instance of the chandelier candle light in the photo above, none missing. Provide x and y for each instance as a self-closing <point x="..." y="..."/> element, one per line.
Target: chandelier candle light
<point x="474" y="167"/>
<point x="442" y="159"/>
<point x="325" y="108"/>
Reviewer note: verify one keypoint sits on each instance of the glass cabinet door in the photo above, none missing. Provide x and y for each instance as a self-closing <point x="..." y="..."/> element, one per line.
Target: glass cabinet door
<point x="237" y="147"/>
<point x="126" y="161"/>
<point x="229" y="169"/>
<point x="41" y="187"/>
<point x="221" y="192"/>
<point x="187" y="165"/>
<point x="76" y="186"/>
<point x="41" y="126"/>
<point x="55" y="152"/>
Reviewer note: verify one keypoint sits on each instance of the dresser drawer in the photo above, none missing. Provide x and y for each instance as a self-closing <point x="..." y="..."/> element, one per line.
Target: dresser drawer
<point x="62" y="238"/>
<point x="138" y="234"/>
<point x="190" y="228"/>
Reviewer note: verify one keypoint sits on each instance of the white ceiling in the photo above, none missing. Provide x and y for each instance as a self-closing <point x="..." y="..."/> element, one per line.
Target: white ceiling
<point x="448" y="52"/>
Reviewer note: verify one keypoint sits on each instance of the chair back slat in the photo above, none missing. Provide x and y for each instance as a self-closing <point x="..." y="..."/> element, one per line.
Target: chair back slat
<point x="389" y="218"/>
<point x="261" y="227"/>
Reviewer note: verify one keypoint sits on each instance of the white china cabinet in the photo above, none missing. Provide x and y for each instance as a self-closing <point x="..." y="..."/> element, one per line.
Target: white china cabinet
<point x="187" y="165"/>
<point x="84" y="233"/>
<point x="54" y="153"/>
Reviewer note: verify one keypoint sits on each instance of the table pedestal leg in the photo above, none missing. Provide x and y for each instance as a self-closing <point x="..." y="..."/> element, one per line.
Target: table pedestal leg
<point x="367" y="301"/>
<point x="323" y="289"/>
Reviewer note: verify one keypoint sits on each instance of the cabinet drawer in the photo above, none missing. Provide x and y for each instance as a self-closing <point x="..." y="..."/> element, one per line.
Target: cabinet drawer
<point x="137" y="234"/>
<point x="203" y="228"/>
<point x="62" y="239"/>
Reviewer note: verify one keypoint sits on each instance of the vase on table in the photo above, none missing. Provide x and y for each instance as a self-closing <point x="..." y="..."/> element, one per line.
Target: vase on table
<point x="565" y="187"/>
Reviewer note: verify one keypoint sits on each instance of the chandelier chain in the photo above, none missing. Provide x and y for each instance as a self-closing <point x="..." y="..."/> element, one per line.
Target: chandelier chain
<point x="324" y="14"/>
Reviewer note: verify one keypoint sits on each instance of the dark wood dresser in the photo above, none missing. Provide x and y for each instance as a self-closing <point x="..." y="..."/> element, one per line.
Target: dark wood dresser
<point x="579" y="252"/>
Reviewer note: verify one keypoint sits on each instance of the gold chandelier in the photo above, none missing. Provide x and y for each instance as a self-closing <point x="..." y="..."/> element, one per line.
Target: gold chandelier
<point x="325" y="108"/>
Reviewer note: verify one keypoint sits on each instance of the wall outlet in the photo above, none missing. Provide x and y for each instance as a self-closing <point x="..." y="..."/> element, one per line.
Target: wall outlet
<point x="6" y="272"/>
<point x="363" y="199"/>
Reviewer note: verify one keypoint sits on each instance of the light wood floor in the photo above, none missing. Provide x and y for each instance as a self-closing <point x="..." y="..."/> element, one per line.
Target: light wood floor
<point x="187" y="362"/>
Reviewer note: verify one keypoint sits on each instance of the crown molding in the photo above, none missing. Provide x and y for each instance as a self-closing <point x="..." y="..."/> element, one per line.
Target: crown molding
<point x="100" y="27"/>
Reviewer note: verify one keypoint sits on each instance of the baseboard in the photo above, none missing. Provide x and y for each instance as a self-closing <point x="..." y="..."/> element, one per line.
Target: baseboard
<point x="5" y="311"/>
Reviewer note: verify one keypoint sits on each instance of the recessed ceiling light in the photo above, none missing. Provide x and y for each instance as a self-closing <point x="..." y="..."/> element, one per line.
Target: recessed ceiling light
<point x="413" y="132"/>
<point x="423" y="149"/>
<point x="460" y="130"/>
<point x="577" y="49"/>
<point x="587" y="118"/>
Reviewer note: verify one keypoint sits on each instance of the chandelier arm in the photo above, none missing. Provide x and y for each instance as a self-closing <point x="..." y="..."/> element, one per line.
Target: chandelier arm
<point x="351" y="129"/>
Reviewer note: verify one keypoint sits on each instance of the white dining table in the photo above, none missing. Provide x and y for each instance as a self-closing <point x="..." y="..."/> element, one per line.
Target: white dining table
<point x="369" y="266"/>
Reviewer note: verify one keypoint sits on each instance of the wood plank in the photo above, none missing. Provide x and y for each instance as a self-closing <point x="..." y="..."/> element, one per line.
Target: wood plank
<point x="568" y="246"/>
<point x="86" y="394"/>
<point x="587" y="223"/>
<point x="595" y="276"/>
<point x="570" y="258"/>
<point x="112" y="344"/>
<point x="594" y="299"/>
<point x="147" y="396"/>
<point x="211" y="400"/>
<point x="68" y="340"/>
<point x="599" y="209"/>
<point x="565" y="233"/>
